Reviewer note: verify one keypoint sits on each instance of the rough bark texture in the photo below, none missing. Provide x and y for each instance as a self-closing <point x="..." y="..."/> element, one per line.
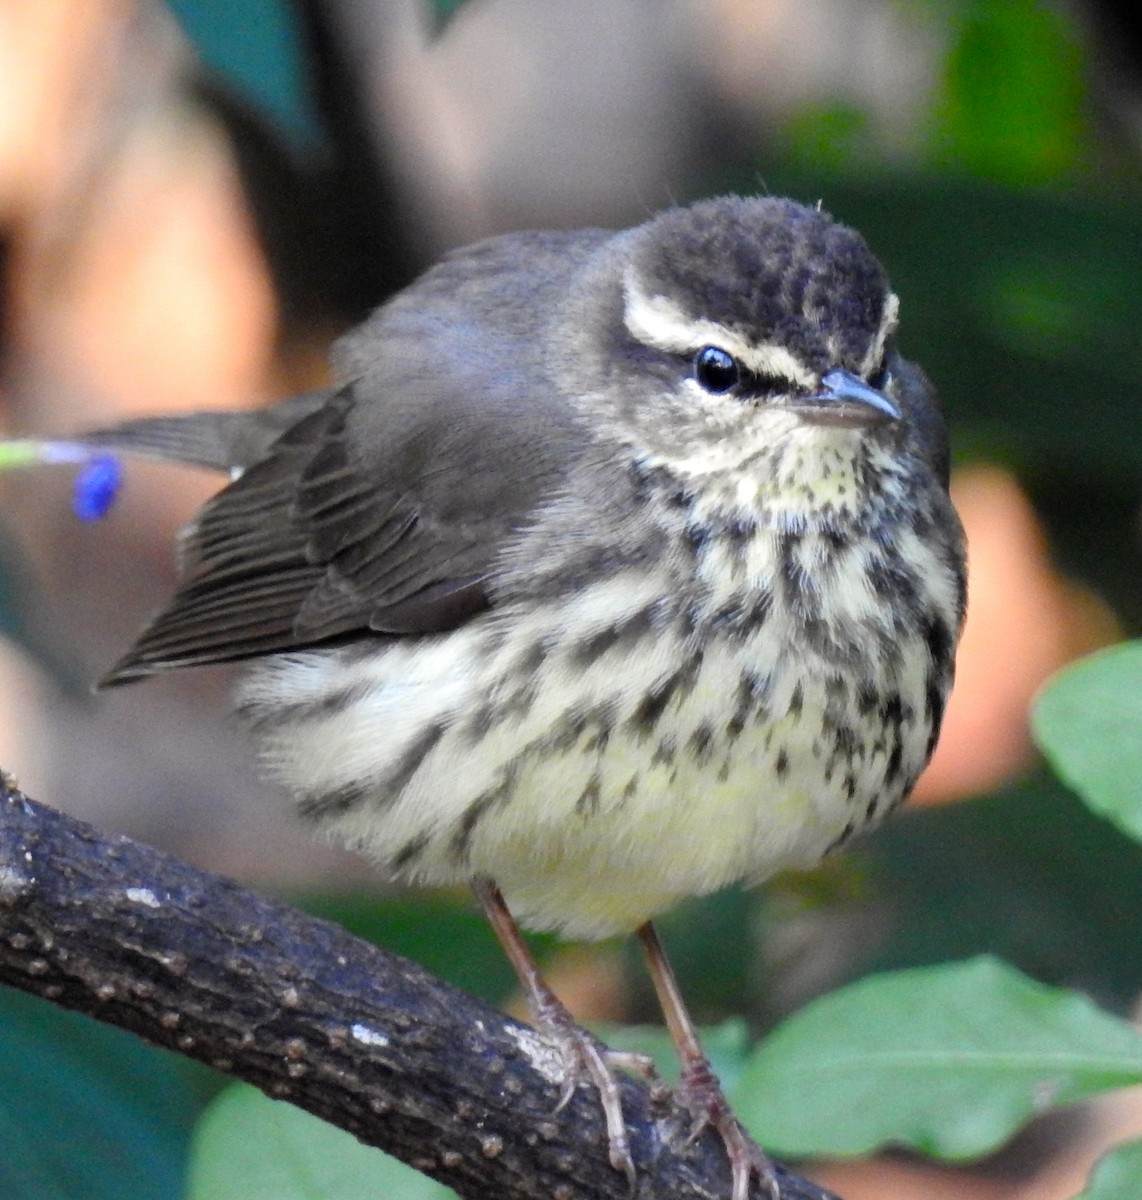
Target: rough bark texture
<point x="309" y="1014"/>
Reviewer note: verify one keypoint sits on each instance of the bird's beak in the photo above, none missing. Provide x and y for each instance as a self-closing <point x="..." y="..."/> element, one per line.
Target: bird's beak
<point x="844" y="399"/>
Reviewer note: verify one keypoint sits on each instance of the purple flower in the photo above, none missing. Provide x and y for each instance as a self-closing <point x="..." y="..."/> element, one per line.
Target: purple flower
<point x="96" y="487"/>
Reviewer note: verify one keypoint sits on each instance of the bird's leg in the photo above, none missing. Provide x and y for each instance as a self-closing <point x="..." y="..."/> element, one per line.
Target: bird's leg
<point x="699" y="1091"/>
<point x="580" y="1051"/>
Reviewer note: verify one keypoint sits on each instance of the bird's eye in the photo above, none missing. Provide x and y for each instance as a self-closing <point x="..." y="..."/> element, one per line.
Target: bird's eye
<point x="717" y="371"/>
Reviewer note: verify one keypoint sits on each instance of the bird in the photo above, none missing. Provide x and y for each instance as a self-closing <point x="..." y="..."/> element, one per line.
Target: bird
<point x="616" y="567"/>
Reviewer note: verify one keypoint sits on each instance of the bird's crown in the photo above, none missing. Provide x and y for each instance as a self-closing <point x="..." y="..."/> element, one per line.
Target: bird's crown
<point x="781" y="286"/>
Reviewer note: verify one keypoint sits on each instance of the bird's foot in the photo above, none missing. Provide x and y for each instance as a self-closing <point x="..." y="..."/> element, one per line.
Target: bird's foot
<point x="580" y="1053"/>
<point x="700" y="1095"/>
<point x="584" y="1055"/>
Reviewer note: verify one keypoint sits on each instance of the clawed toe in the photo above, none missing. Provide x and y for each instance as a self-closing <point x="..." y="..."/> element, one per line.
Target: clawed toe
<point x="583" y="1054"/>
<point x="747" y="1159"/>
<point x="698" y="1092"/>
<point x="700" y="1095"/>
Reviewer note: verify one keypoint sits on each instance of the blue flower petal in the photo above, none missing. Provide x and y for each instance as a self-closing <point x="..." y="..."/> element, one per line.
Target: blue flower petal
<point x="96" y="487"/>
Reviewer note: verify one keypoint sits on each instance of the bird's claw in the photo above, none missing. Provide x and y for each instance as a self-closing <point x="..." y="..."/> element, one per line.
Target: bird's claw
<point x="700" y="1095"/>
<point x="583" y="1054"/>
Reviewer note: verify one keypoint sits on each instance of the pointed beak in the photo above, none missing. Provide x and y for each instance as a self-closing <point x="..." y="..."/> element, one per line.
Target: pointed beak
<point x="845" y="399"/>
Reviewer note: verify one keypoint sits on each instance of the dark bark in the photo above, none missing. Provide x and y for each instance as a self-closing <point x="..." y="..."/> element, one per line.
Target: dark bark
<point x="301" y="1009"/>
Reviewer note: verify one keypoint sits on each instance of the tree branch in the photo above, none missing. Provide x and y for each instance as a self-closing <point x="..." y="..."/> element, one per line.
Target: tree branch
<point x="296" y="1006"/>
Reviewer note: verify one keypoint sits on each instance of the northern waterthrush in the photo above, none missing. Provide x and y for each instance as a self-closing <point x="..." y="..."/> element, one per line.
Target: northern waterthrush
<point x="620" y="567"/>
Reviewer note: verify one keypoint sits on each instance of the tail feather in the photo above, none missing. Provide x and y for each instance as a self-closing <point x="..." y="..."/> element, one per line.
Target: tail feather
<point x="214" y="439"/>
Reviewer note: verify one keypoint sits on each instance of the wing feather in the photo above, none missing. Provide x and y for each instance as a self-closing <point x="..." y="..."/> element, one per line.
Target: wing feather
<point x="380" y="508"/>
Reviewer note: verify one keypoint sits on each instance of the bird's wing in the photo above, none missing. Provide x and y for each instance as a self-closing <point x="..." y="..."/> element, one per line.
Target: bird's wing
<point x="383" y="508"/>
<point x="321" y="537"/>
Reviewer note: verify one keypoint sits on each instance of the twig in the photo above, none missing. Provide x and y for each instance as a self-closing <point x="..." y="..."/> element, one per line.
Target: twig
<point x="301" y="1009"/>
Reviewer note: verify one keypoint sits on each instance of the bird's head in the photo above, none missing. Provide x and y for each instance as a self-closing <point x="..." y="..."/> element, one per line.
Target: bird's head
<point x="756" y="337"/>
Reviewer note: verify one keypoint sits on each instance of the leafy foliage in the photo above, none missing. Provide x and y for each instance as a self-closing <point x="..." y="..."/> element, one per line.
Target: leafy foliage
<point x="1116" y="1175"/>
<point x="1089" y="724"/>
<point x="1013" y="96"/>
<point x="86" y="1110"/>
<point x="442" y="11"/>
<point x="260" y="1149"/>
<point x="949" y="1060"/>
<point x="258" y="48"/>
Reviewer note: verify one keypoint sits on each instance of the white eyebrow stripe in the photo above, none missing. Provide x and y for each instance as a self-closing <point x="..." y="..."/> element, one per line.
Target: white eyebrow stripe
<point x="889" y="320"/>
<point x="659" y="322"/>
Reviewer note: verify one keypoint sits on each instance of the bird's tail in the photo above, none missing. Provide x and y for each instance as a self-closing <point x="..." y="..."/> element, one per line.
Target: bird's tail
<point x="215" y="440"/>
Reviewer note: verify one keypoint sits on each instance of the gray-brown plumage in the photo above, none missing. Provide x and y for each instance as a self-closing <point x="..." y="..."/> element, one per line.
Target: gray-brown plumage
<point x="618" y="568"/>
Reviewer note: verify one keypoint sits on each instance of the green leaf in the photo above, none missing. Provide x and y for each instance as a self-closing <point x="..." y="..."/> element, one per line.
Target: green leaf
<point x="1014" y="93"/>
<point x="86" y="1110"/>
<point x="1117" y="1175"/>
<point x="442" y="11"/>
<point x="259" y="47"/>
<point x="947" y="1060"/>
<point x="260" y="1149"/>
<point x="1088" y="722"/>
<point x="834" y="135"/>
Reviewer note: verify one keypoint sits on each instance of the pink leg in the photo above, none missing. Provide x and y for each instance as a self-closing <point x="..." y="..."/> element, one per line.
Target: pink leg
<point x="581" y="1053"/>
<point x="699" y="1091"/>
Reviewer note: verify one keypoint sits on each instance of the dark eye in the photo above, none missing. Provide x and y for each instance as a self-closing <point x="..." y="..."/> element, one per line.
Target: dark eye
<point x="717" y="371"/>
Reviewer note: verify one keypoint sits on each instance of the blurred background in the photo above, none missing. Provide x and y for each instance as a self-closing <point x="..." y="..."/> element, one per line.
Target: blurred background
<point x="197" y="197"/>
